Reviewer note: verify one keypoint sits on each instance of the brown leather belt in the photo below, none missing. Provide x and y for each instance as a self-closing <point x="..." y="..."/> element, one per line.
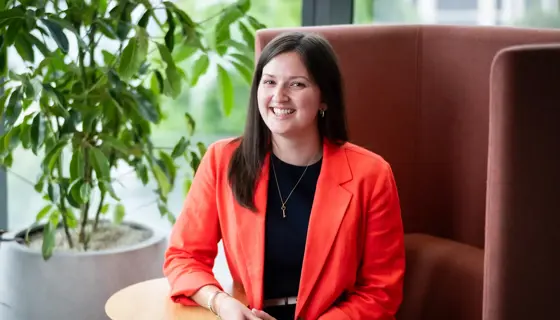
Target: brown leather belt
<point x="286" y="301"/>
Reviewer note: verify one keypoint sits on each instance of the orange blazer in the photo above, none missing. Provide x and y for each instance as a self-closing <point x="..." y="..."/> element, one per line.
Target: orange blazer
<point x="354" y="259"/>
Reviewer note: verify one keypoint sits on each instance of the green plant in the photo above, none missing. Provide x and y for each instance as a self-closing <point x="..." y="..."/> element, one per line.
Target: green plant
<point x="98" y="105"/>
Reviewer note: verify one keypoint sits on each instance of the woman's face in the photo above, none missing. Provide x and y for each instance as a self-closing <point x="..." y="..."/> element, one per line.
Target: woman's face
<point x="289" y="101"/>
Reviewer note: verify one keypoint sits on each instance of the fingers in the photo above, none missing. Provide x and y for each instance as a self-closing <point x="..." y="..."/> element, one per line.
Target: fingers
<point x="262" y="315"/>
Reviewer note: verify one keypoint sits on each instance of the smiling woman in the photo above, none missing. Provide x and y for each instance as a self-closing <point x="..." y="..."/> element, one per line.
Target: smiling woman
<point x="310" y="223"/>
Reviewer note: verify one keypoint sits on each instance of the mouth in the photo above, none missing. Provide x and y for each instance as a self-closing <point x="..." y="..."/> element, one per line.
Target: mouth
<point x="282" y="111"/>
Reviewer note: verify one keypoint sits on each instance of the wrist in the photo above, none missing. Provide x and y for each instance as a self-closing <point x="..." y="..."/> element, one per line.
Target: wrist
<point x="215" y="299"/>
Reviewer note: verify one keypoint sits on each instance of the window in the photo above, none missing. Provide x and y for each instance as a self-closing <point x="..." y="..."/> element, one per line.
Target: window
<point x="524" y="13"/>
<point x="201" y="101"/>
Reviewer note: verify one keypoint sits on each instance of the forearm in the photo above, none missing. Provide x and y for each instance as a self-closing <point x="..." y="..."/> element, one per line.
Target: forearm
<point x="202" y="296"/>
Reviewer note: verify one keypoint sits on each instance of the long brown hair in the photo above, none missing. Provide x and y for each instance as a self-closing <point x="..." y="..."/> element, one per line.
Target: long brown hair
<point x="322" y="65"/>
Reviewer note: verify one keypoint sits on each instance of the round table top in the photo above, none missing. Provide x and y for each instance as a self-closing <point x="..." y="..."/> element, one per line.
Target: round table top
<point x="149" y="300"/>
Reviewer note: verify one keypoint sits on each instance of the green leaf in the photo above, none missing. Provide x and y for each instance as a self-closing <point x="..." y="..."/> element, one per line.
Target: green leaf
<point x="246" y="61"/>
<point x="180" y="148"/>
<point x="191" y="125"/>
<point x="57" y="33"/>
<point x="200" y="68"/>
<point x="255" y="23"/>
<point x="101" y="6"/>
<point x="13" y="109"/>
<point x="24" y="49"/>
<point x="162" y="180"/>
<point x="3" y="100"/>
<point x="52" y="156"/>
<point x="171" y="218"/>
<point x="119" y="213"/>
<point x="116" y="144"/>
<point x="142" y="172"/>
<point x="100" y="163"/>
<point x="187" y="186"/>
<point x="108" y="57"/>
<point x="226" y="90"/>
<point x="182" y="15"/>
<point x="13" y="31"/>
<point x="170" y="166"/>
<point x="106" y="29"/>
<point x="165" y="55"/>
<point x="243" y="5"/>
<point x="8" y="17"/>
<point x="222" y="31"/>
<point x="3" y="61"/>
<point x="243" y="71"/>
<point x="107" y="187"/>
<point x="201" y="149"/>
<point x="104" y="208"/>
<point x="134" y="54"/>
<point x="173" y="81"/>
<point x="40" y="184"/>
<point x="169" y="36"/>
<point x="75" y="194"/>
<point x="147" y="105"/>
<point x="37" y="132"/>
<point x="77" y="164"/>
<point x="85" y="192"/>
<point x="49" y="237"/>
<point x="143" y="22"/>
<point x="195" y="161"/>
<point x="11" y="138"/>
<point x="184" y="52"/>
<point x="157" y="82"/>
<point x="43" y="213"/>
<point x="248" y="36"/>
<point x="39" y="45"/>
<point x="71" y="219"/>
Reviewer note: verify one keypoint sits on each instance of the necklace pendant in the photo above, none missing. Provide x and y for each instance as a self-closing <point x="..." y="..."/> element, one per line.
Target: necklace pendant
<point x="283" y="211"/>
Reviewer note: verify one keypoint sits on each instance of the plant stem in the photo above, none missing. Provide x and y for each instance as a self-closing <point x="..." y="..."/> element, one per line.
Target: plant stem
<point x="62" y="204"/>
<point x="85" y="207"/>
<point x="87" y="168"/>
<point x="98" y="213"/>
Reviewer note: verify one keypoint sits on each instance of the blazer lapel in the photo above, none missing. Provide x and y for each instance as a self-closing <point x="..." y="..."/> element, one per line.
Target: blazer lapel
<point x="329" y="207"/>
<point x="251" y="233"/>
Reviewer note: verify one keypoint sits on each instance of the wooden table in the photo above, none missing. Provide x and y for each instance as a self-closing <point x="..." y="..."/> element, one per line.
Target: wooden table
<point x="149" y="300"/>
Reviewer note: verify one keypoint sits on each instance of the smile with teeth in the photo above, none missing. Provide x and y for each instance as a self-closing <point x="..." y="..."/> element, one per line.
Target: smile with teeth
<point x="282" y="111"/>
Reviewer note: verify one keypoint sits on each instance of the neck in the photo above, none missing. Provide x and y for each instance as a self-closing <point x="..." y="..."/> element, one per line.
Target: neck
<point x="300" y="151"/>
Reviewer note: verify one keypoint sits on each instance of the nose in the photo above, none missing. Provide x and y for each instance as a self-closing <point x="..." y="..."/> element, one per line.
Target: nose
<point x="279" y="95"/>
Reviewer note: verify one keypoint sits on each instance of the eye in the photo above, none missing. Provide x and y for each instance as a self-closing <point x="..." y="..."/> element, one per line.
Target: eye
<point x="298" y="84"/>
<point x="266" y="81"/>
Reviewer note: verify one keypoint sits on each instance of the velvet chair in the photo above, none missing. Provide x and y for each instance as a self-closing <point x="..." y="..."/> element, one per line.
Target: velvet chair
<point x="477" y="177"/>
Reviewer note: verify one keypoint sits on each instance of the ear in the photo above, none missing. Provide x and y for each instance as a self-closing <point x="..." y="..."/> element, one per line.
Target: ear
<point x="323" y="106"/>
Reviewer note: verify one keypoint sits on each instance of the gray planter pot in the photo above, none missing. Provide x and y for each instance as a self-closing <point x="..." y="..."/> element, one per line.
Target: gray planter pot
<point x="72" y="285"/>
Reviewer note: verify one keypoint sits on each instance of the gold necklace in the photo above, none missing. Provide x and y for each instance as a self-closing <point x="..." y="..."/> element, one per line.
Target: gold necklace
<point x="283" y="207"/>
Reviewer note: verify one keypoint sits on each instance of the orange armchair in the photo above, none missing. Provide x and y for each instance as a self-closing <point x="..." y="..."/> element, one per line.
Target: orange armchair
<point x="420" y="97"/>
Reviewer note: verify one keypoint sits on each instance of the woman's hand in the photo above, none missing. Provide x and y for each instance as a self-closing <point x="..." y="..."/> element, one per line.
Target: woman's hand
<point x="263" y="315"/>
<point x="229" y="308"/>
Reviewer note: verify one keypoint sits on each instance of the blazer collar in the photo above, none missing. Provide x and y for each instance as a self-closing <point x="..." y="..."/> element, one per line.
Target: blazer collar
<point x="329" y="207"/>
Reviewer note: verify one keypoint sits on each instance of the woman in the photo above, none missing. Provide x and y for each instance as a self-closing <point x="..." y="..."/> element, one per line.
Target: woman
<point x="310" y="223"/>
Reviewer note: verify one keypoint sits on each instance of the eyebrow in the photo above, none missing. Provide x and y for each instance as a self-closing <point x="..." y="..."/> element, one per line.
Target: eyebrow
<point x="292" y="77"/>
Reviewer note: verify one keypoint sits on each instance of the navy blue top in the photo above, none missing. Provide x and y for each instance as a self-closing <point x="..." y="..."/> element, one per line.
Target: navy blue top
<point x="285" y="237"/>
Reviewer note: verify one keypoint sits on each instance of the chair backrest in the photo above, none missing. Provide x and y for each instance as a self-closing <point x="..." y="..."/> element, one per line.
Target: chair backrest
<point x="418" y="95"/>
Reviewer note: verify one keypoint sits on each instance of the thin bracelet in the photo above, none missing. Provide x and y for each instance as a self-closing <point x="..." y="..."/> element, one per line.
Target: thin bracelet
<point x="211" y="301"/>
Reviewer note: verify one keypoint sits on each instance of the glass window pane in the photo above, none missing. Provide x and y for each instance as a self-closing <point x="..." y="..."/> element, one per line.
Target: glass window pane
<point x="202" y="102"/>
<point x="523" y="13"/>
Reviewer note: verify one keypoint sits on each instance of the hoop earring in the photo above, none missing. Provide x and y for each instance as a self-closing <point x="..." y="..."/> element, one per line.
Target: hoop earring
<point x="322" y="113"/>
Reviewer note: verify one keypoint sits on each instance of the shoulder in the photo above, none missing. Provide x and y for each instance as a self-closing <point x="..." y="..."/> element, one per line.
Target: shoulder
<point x="364" y="160"/>
<point x="222" y="149"/>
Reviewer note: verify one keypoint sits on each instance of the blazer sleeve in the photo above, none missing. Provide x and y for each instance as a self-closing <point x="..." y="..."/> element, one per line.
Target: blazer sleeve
<point x="193" y="244"/>
<point x="378" y="291"/>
